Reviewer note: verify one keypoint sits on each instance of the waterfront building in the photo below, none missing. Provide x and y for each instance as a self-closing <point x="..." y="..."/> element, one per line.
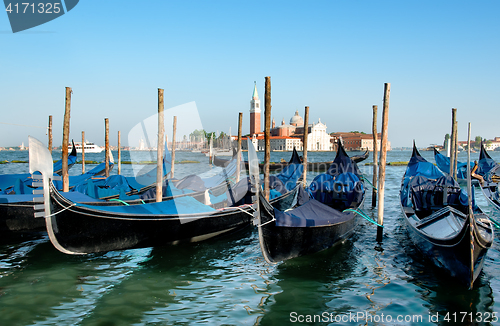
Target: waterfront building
<point x="356" y="141"/>
<point x="493" y="144"/>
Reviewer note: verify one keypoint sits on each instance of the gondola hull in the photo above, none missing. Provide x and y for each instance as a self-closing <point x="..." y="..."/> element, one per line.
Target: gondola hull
<point x="453" y="254"/>
<point x="80" y="229"/>
<point x="281" y="243"/>
<point x="19" y="217"/>
<point x="490" y="191"/>
<point x="321" y="216"/>
<point x="442" y="222"/>
<point x="17" y="211"/>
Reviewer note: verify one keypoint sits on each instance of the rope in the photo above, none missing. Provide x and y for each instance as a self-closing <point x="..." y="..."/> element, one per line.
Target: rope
<point x="274" y="219"/>
<point x="239" y="208"/>
<point x="121" y="201"/>
<point x="495" y="223"/>
<point x="362" y="214"/>
<point x="244" y="211"/>
<point x="74" y="204"/>
<point x="364" y="178"/>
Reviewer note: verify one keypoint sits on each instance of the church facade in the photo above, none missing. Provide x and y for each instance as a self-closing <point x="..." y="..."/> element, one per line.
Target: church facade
<point x="286" y="136"/>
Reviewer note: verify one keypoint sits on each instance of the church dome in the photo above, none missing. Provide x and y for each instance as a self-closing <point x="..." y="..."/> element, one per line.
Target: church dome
<point x="297" y="120"/>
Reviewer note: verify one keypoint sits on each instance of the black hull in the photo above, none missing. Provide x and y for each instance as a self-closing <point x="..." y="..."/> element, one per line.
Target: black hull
<point x="489" y="189"/>
<point x="452" y="236"/>
<point x="453" y="255"/>
<point x="220" y="161"/>
<point x="79" y="230"/>
<point x="19" y="218"/>
<point x="280" y="243"/>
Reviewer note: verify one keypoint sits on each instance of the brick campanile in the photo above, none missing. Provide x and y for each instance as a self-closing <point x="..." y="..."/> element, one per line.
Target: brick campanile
<point x="255" y="112"/>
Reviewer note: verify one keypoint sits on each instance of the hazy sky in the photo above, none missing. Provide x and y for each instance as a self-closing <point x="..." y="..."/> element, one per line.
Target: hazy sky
<point x="333" y="56"/>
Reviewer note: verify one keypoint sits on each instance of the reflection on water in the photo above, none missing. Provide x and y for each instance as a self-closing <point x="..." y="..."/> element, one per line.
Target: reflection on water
<point x="226" y="280"/>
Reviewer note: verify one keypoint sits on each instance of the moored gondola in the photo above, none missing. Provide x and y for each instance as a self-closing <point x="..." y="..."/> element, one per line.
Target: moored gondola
<point x="75" y="228"/>
<point x="439" y="222"/>
<point x="321" y="217"/>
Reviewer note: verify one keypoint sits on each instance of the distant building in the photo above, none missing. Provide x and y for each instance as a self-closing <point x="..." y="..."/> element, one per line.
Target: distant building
<point x="493" y="144"/>
<point x="355" y="141"/>
<point x="287" y="136"/>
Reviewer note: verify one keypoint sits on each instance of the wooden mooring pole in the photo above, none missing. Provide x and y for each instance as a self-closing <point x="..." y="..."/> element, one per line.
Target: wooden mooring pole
<point x="238" y="158"/>
<point x="211" y="149"/>
<point x="159" y="155"/>
<point x="65" y="141"/>
<point x="173" y="146"/>
<point x="106" y="145"/>
<point x="304" y="145"/>
<point x="456" y="152"/>
<point x="375" y="156"/>
<point x="453" y="156"/>
<point x="50" y="134"/>
<point x="267" y="135"/>
<point x="83" y="152"/>
<point x="119" y="154"/>
<point x="383" y="160"/>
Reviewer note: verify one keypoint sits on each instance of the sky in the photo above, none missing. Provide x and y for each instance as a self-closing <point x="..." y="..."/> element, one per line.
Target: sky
<point x="333" y="56"/>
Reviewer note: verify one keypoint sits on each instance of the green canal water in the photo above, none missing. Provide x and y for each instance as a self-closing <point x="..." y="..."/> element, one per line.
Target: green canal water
<point x="225" y="281"/>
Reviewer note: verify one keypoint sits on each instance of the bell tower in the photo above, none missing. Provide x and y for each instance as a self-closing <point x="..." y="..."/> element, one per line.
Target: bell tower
<point x="255" y="112"/>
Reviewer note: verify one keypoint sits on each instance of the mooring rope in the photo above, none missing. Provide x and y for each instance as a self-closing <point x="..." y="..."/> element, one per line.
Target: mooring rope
<point x="244" y="211"/>
<point x="362" y="214"/>
<point x="495" y="223"/>
<point x="62" y="210"/>
<point x="121" y="201"/>
<point x="274" y="219"/>
<point x="364" y="178"/>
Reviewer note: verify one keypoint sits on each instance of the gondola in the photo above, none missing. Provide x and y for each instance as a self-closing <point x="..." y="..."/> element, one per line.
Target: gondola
<point x="487" y="172"/>
<point x="278" y="166"/>
<point x="439" y="223"/>
<point x="75" y="228"/>
<point x="222" y="162"/>
<point x="322" y="215"/>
